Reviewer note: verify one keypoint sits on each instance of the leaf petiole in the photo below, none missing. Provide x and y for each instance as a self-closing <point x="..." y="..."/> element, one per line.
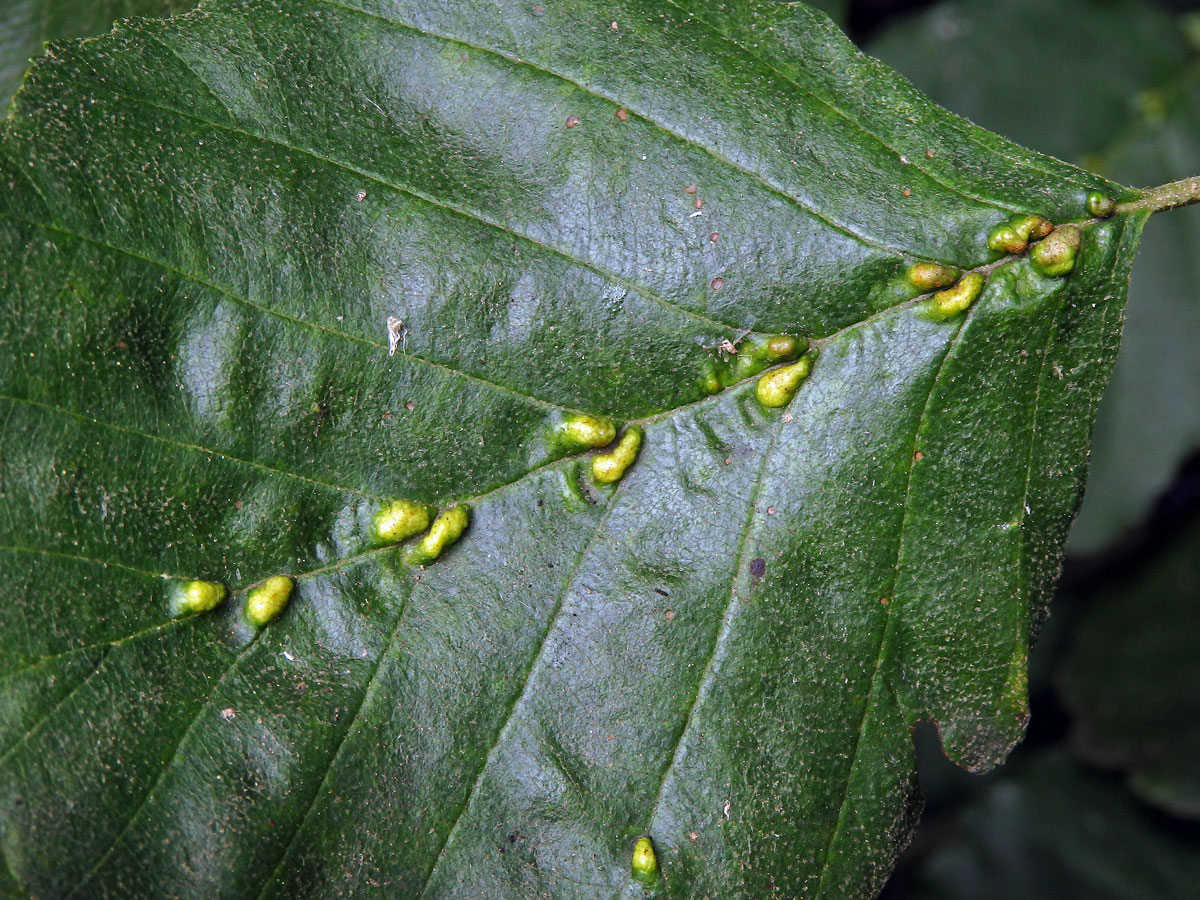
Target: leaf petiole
<point x="1167" y="196"/>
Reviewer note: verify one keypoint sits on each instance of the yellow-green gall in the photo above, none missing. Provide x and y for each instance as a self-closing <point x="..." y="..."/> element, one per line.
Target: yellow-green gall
<point x="927" y="276"/>
<point x="1032" y="228"/>
<point x="398" y="520"/>
<point x="267" y="600"/>
<point x="779" y="386"/>
<point x="580" y="431"/>
<point x="1100" y="205"/>
<point x="645" y="860"/>
<point x="445" y="530"/>
<point x="1055" y="255"/>
<point x="950" y="302"/>
<point x="609" y="467"/>
<point x="780" y="347"/>
<point x="1004" y="239"/>
<point x="710" y="382"/>
<point x="196" y="596"/>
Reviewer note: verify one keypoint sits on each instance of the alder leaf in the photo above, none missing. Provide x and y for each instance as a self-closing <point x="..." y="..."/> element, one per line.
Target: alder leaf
<point x="269" y="266"/>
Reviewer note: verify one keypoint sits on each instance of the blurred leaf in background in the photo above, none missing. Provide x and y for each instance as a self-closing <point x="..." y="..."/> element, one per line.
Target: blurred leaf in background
<point x="1052" y="831"/>
<point x="1131" y="678"/>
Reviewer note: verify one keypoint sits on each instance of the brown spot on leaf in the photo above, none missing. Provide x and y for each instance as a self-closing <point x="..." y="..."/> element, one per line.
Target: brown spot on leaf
<point x="918" y="456"/>
<point x="906" y="192"/>
<point x="717" y="283"/>
<point x="699" y="204"/>
<point x="572" y="121"/>
<point x="690" y="189"/>
<point x="714" y="237"/>
<point x="622" y="115"/>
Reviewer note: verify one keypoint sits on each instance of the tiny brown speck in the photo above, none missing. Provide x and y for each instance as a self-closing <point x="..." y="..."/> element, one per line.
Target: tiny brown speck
<point x="572" y="121"/>
<point x="410" y="406"/>
<point x="237" y="504"/>
<point x="693" y="837"/>
<point x="918" y="456"/>
<point x="728" y="460"/>
<point x="670" y="614"/>
<point x="770" y="510"/>
<point x="929" y="153"/>
<point x="699" y="204"/>
<point x="622" y="115"/>
<point x="717" y="283"/>
<point x="714" y="237"/>
<point x="906" y="192"/>
<point x="690" y="189"/>
<point x="883" y="600"/>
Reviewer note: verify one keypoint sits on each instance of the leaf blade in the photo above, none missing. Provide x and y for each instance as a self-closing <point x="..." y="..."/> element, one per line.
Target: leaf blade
<point x="505" y="698"/>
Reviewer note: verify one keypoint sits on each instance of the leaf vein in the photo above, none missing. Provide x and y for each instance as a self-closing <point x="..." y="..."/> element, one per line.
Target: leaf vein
<point x="49" y="714"/>
<point x="475" y="216"/>
<point x="368" y="691"/>
<point x="833" y="107"/>
<point x="709" y="670"/>
<point x="713" y="152"/>
<point x="184" y="445"/>
<point x="559" y="605"/>
<point x="876" y="681"/>
<point x="230" y="294"/>
<point x="166" y="767"/>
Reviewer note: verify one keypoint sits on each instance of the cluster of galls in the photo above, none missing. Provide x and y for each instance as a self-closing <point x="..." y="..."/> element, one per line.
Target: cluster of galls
<point x="1053" y="253"/>
<point x="264" y="601"/>
<point x="396" y="521"/>
<point x="776" y="387"/>
<point x="583" y="432"/>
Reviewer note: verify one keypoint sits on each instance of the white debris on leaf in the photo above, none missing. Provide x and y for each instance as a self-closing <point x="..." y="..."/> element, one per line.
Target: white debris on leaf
<point x="395" y="331"/>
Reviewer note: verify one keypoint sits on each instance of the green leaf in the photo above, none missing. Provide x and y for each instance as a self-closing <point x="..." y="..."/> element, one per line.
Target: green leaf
<point x="1055" y="830"/>
<point x="1124" y="100"/>
<point x="211" y="227"/>
<point x="25" y="25"/>
<point x="1131" y="678"/>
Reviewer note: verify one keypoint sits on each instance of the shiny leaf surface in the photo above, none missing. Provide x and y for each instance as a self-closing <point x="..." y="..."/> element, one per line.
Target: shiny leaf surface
<point x="215" y="231"/>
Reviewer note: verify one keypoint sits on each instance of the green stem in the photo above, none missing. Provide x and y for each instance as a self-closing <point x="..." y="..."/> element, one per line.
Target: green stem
<point x="1168" y="196"/>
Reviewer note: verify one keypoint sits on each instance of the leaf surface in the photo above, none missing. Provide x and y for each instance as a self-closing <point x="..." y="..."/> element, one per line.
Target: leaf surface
<point x="208" y="223"/>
